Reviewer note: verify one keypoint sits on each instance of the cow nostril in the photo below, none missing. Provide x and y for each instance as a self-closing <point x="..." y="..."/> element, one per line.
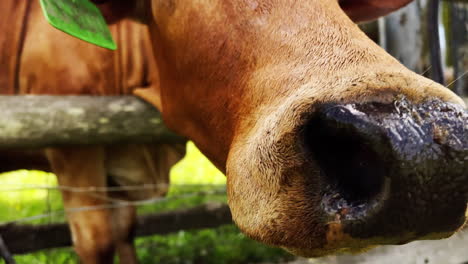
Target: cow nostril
<point x="350" y="166"/>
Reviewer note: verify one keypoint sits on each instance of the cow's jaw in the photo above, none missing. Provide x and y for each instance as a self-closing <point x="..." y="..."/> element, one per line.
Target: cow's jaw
<point x="249" y="81"/>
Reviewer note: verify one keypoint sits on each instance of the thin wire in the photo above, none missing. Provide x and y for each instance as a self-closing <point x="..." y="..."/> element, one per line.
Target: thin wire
<point x="428" y="68"/>
<point x="5" y="253"/>
<point x="459" y="77"/>
<point x="116" y="204"/>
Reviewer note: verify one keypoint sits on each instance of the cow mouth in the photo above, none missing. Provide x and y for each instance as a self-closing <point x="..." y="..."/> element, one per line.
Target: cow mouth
<point x="394" y="172"/>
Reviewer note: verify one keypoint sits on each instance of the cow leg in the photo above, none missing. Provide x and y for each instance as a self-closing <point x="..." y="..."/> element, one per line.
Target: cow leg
<point x="83" y="167"/>
<point x="123" y="226"/>
<point x="137" y="165"/>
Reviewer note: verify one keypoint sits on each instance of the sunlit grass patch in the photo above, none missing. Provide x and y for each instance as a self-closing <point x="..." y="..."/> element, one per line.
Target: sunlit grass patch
<point x="195" y="168"/>
<point x="222" y="245"/>
<point x="21" y="196"/>
<point x="21" y="186"/>
<point x="50" y="256"/>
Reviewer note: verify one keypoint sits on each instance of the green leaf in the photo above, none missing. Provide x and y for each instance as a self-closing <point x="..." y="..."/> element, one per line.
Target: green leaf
<point x="79" y="18"/>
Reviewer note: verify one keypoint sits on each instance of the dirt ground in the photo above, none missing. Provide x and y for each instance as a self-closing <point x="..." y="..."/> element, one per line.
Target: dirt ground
<point x="453" y="250"/>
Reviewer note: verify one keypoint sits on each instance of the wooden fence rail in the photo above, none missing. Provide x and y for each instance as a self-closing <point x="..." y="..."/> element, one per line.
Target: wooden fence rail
<point x="35" y="121"/>
<point x="27" y="238"/>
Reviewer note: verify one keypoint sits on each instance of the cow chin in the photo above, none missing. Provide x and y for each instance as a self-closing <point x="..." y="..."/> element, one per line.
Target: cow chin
<point x="343" y="177"/>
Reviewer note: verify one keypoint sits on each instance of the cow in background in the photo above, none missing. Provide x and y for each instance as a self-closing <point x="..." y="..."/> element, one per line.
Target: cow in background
<point x="38" y="59"/>
<point x="329" y="144"/>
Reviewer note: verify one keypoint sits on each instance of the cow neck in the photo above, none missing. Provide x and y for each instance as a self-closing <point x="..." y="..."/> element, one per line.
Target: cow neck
<point x="13" y="24"/>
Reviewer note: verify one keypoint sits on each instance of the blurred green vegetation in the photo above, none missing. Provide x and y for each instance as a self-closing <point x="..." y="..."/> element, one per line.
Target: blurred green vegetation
<point x="223" y="245"/>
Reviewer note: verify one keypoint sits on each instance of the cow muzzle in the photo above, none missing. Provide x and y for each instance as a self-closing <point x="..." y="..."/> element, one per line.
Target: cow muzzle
<point x="390" y="173"/>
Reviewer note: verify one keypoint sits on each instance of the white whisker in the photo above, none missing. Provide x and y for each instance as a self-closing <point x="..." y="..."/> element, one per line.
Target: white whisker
<point x="459" y="77"/>
<point x="425" y="71"/>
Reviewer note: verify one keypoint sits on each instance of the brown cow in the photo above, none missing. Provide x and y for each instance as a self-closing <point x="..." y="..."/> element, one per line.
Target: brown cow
<point x="38" y="59"/>
<point x="329" y="144"/>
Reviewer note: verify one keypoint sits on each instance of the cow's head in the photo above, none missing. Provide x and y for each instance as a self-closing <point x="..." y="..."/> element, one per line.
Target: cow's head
<point x="328" y="142"/>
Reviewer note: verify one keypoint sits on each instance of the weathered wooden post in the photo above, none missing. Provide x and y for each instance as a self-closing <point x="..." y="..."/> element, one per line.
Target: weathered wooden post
<point x="433" y="39"/>
<point x="402" y="35"/>
<point x="458" y="13"/>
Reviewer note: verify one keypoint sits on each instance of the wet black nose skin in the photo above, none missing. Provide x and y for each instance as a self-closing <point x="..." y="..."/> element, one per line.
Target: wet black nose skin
<point x="392" y="170"/>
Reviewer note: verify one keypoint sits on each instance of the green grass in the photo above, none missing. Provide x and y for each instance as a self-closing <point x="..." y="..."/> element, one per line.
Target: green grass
<point x="18" y="203"/>
<point x="223" y="245"/>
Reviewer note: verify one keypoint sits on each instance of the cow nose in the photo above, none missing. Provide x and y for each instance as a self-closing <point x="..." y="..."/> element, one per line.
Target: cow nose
<point x="395" y="171"/>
